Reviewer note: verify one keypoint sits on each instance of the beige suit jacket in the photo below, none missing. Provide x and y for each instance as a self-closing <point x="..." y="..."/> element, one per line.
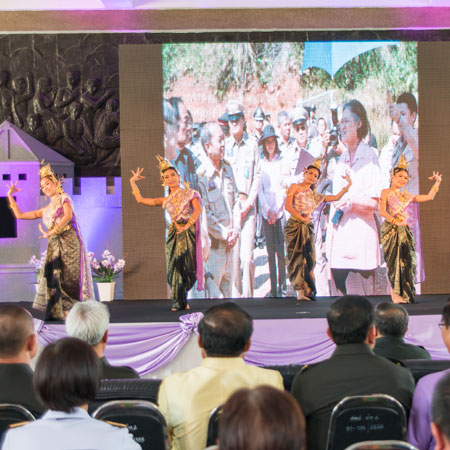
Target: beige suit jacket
<point x="186" y="399"/>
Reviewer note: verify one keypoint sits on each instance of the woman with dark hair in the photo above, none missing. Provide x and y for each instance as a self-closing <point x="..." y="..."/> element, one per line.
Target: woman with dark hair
<point x="66" y="276"/>
<point x="353" y="246"/>
<point x="397" y="240"/>
<point x="183" y="244"/>
<point x="263" y="418"/>
<point x="271" y="199"/>
<point x="66" y="379"/>
<point x="301" y="201"/>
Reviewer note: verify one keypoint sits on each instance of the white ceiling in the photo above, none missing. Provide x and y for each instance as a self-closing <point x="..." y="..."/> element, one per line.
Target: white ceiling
<point x="37" y="5"/>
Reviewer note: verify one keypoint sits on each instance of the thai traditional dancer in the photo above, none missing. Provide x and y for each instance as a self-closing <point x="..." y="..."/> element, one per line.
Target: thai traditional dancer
<point x="397" y="240"/>
<point x="66" y="276"/>
<point x="183" y="244"/>
<point x="301" y="201"/>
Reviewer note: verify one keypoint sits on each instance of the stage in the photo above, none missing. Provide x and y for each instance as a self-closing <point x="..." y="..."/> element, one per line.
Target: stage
<point x="155" y="341"/>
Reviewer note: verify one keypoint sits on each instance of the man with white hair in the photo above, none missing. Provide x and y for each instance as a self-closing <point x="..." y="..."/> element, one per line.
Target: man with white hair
<point x="89" y="321"/>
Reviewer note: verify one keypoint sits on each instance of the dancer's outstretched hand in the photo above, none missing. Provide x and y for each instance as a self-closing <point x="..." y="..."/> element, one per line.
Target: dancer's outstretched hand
<point x="12" y="188"/>
<point x="436" y="176"/>
<point x="137" y="175"/>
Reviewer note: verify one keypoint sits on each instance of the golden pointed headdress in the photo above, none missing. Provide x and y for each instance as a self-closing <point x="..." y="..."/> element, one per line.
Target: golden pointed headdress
<point x="402" y="163"/>
<point x="164" y="164"/>
<point x="318" y="163"/>
<point x="46" y="171"/>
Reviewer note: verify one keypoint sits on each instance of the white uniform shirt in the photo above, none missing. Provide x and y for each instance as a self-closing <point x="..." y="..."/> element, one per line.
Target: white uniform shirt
<point x="57" y="430"/>
<point x="354" y="243"/>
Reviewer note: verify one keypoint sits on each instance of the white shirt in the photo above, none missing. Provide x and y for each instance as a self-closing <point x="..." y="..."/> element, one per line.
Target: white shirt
<point x="271" y="194"/>
<point x="354" y="243"/>
<point x="57" y="430"/>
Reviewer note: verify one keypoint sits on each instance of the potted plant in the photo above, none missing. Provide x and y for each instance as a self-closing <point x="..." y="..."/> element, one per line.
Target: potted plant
<point x="38" y="265"/>
<point x="105" y="272"/>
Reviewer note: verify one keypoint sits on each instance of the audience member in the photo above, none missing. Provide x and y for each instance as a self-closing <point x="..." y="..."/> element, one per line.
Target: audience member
<point x="89" y="321"/>
<point x="391" y="321"/>
<point x="419" y="433"/>
<point x="440" y="413"/>
<point x="67" y="378"/>
<point x="353" y="369"/>
<point x="18" y="345"/>
<point x="187" y="399"/>
<point x="263" y="418"/>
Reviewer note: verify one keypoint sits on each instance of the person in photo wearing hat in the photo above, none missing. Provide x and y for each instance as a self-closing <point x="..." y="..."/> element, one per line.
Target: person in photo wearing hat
<point x="242" y="153"/>
<point x="298" y="158"/>
<point x="271" y="199"/>
<point x="302" y="199"/>
<point x="259" y="117"/>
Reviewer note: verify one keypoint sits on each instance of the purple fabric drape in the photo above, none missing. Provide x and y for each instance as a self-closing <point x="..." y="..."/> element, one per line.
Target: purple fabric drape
<point x="150" y="346"/>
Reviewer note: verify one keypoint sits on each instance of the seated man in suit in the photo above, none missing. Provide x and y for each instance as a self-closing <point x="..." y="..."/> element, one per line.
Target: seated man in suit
<point x="18" y="345"/>
<point x="353" y="369"/>
<point x="89" y="321"/>
<point x="440" y="413"/>
<point x="391" y="321"/>
<point x="419" y="432"/>
<point x="186" y="399"/>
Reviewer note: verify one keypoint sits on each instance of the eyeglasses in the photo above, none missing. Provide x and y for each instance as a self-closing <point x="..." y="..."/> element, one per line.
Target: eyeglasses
<point x="442" y="325"/>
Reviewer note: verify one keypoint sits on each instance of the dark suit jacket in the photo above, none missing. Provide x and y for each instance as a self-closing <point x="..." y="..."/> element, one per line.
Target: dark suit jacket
<point x="117" y="372"/>
<point x="16" y="386"/>
<point x="397" y="348"/>
<point x="353" y="369"/>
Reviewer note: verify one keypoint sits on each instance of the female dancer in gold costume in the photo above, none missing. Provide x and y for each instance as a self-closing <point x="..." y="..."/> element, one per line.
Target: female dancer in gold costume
<point x="397" y="240"/>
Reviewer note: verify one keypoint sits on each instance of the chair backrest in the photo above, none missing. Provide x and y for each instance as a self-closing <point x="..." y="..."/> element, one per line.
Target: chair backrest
<point x="385" y="445"/>
<point x="11" y="413"/>
<point x="213" y="426"/>
<point x="143" y="419"/>
<point x="421" y="367"/>
<point x="127" y="389"/>
<point x="361" y="418"/>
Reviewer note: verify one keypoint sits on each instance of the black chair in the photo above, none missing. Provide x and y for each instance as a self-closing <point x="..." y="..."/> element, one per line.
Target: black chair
<point x="11" y="414"/>
<point x="362" y="418"/>
<point x="421" y="367"/>
<point x="213" y="426"/>
<point x="385" y="445"/>
<point x="143" y="419"/>
<point x="127" y="389"/>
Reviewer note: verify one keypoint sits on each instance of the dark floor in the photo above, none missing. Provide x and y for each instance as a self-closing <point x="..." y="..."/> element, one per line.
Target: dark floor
<point x="129" y="311"/>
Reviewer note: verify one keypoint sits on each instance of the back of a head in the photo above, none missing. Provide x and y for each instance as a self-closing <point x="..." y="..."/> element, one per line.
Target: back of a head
<point x="225" y="330"/>
<point x="88" y="321"/>
<point x="16" y="325"/>
<point x="67" y="374"/>
<point x="349" y="319"/>
<point x="391" y="319"/>
<point x="440" y="406"/>
<point x="263" y="418"/>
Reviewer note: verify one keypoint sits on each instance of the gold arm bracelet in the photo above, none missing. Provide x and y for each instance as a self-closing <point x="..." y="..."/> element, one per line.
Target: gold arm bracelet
<point x="435" y="189"/>
<point x="57" y="229"/>
<point x="135" y="191"/>
<point x="191" y="222"/>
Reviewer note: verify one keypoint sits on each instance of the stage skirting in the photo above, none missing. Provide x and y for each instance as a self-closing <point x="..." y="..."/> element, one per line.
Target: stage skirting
<point x="158" y="349"/>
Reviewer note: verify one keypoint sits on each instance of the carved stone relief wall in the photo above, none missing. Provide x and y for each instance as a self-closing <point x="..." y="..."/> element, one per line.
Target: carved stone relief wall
<point x="63" y="89"/>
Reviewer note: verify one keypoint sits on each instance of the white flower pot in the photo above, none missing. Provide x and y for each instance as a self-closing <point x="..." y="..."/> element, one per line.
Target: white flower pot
<point x="106" y="291"/>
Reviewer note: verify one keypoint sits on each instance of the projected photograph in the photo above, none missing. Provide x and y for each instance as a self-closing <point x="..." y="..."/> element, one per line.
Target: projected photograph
<point x="243" y="122"/>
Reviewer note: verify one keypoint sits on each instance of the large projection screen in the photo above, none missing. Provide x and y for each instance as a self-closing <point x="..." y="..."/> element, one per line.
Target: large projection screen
<point x="206" y="76"/>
